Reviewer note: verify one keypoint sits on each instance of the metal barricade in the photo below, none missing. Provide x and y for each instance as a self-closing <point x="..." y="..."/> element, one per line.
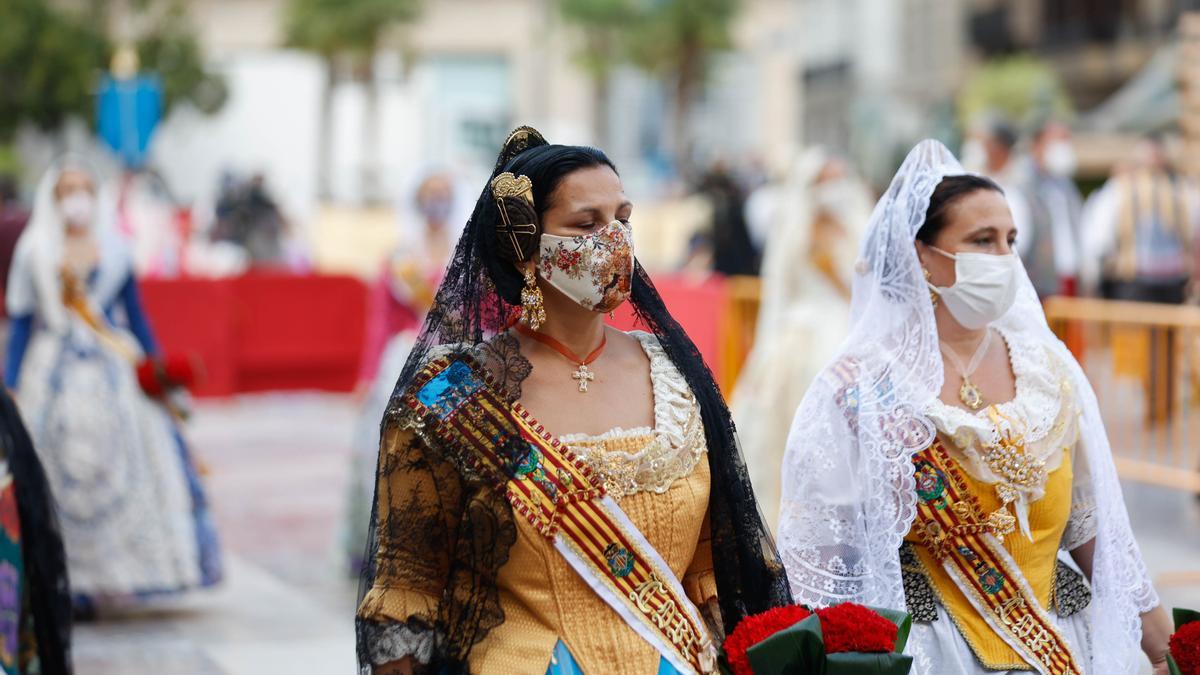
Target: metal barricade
<point x="1143" y="361"/>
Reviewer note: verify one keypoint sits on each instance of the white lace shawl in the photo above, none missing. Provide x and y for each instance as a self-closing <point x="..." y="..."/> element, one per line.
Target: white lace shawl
<point x="848" y="491"/>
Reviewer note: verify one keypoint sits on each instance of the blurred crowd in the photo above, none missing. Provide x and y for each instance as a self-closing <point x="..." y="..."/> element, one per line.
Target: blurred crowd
<point x="243" y="229"/>
<point x="1133" y="237"/>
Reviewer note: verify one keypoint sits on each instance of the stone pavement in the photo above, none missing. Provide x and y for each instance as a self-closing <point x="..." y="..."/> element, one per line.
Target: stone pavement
<point x="278" y="470"/>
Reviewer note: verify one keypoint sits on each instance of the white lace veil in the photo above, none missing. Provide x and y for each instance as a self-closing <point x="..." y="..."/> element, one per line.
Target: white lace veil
<point x="33" y="281"/>
<point x="848" y="490"/>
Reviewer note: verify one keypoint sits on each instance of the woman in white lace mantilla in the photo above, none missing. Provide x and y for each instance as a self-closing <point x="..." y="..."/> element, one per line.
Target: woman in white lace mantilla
<point x="951" y="460"/>
<point x="134" y="514"/>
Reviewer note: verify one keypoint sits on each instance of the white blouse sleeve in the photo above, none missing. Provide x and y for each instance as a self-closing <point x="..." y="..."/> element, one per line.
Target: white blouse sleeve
<point x="1081" y="524"/>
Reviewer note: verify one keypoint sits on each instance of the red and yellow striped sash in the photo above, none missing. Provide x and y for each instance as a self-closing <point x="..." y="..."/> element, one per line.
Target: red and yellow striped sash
<point x="951" y="525"/>
<point x="564" y="500"/>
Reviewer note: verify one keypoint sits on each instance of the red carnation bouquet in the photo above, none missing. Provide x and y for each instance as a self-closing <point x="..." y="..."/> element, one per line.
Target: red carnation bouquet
<point x="846" y="639"/>
<point x="1184" y="655"/>
<point x="168" y="379"/>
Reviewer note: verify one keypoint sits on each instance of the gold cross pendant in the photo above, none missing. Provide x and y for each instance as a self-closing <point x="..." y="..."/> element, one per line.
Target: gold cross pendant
<point x="583" y="377"/>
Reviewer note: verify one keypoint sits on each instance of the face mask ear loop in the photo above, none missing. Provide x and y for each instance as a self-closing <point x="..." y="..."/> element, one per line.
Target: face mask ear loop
<point x="943" y="253"/>
<point x="935" y="291"/>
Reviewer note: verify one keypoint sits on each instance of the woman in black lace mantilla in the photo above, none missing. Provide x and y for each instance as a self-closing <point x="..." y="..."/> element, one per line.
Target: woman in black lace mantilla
<point x="544" y="477"/>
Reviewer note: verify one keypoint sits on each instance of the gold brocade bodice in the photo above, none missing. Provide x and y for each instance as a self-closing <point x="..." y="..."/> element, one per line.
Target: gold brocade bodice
<point x="1035" y="560"/>
<point x="545" y="600"/>
<point x="660" y="478"/>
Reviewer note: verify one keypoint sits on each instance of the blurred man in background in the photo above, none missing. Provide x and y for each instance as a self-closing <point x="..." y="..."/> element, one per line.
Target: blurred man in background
<point x="1139" y="230"/>
<point x="248" y="215"/>
<point x="1049" y="243"/>
<point x="990" y="149"/>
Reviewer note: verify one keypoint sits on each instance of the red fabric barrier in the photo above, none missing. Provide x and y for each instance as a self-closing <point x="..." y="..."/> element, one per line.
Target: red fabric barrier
<point x="196" y="316"/>
<point x="699" y="307"/>
<point x="263" y="331"/>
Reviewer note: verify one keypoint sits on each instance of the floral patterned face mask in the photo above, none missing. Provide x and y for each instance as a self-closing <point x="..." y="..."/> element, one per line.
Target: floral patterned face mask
<point x="595" y="270"/>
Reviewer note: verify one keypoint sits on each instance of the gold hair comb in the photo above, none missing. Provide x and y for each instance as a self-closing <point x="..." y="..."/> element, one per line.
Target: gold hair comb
<point x="515" y="218"/>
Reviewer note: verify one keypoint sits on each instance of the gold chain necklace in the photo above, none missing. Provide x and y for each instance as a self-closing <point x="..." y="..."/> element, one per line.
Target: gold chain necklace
<point x="968" y="393"/>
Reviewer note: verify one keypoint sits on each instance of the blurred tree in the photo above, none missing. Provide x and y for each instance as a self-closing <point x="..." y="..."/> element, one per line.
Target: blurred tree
<point x="51" y="60"/>
<point x="672" y="39"/>
<point x="1021" y="88"/>
<point x="348" y="31"/>
<point x="603" y="24"/>
<point x="49" y="64"/>
<point x="170" y="49"/>
<point x="676" y="39"/>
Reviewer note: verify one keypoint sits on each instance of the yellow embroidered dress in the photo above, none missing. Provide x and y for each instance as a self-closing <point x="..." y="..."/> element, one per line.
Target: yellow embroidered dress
<point x="660" y="479"/>
<point x="1015" y="469"/>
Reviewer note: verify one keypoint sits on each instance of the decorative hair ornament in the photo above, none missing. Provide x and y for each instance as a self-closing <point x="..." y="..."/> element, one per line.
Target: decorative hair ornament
<point x="520" y="140"/>
<point x="518" y="230"/>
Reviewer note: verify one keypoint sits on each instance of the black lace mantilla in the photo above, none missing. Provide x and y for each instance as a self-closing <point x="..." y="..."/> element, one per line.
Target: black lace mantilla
<point x="448" y="533"/>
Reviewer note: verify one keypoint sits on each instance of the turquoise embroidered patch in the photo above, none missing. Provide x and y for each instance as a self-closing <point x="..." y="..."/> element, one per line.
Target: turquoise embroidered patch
<point x="449" y="389"/>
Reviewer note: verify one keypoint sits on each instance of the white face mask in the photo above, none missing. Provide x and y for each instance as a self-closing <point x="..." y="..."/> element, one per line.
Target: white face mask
<point x="1060" y="159"/>
<point x="78" y="208"/>
<point x="594" y="270"/>
<point x="984" y="289"/>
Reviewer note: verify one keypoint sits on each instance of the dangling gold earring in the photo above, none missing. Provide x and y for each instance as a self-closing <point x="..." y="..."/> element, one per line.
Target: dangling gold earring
<point x="533" y="312"/>
<point x="933" y="297"/>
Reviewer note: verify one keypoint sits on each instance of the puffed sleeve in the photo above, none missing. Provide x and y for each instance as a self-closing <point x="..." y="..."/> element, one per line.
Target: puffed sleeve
<point x="419" y="505"/>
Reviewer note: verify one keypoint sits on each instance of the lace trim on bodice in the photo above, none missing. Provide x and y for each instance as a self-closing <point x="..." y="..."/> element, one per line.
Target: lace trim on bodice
<point x="1029" y="435"/>
<point x="644" y="459"/>
<point x="1042" y="386"/>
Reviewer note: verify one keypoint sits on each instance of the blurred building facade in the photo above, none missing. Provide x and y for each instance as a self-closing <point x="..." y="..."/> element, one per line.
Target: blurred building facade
<point x="1095" y="45"/>
<point x="450" y="85"/>
<point x="862" y="77"/>
<point x="879" y="74"/>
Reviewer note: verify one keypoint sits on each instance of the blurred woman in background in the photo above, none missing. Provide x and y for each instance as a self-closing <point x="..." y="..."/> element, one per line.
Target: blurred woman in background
<point x="399" y="301"/>
<point x="813" y="220"/>
<point x="134" y="517"/>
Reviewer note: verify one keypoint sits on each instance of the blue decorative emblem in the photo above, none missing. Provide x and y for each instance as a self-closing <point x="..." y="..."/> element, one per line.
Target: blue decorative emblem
<point x="620" y="560"/>
<point x="449" y="389"/>
<point x="528" y="464"/>
<point x="991" y="580"/>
